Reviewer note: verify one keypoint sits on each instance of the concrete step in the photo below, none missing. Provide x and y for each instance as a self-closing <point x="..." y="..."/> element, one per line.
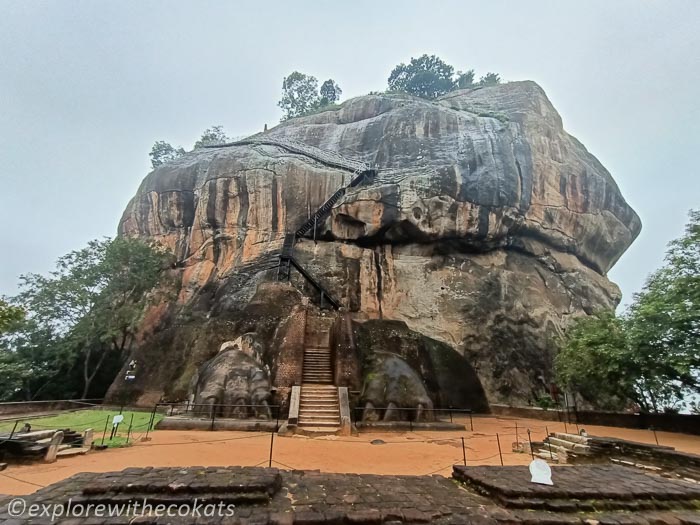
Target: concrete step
<point x="569" y="445"/>
<point x="320" y="411"/>
<point x="574" y="438"/>
<point x="72" y="451"/>
<point x="543" y="454"/>
<point x="319" y="422"/>
<point x="319" y="395"/>
<point x="321" y="430"/>
<point x="312" y="401"/>
<point x="555" y="449"/>
<point x="306" y="388"/>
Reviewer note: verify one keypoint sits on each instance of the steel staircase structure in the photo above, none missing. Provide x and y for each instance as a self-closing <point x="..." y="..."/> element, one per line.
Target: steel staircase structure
<point x="362" y="173"/>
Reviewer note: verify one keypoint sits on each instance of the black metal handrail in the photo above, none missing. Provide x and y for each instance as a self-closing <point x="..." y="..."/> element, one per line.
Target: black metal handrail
<point x="190" y="409"/>
<point x="448" y="412"/>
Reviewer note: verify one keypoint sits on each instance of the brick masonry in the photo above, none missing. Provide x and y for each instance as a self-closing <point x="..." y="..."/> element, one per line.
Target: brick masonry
<point x="482" y="495"/>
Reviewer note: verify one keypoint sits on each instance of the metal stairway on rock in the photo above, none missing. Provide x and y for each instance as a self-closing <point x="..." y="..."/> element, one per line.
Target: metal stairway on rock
<point x="287" y="260"/>
<point x="361" y="173"/>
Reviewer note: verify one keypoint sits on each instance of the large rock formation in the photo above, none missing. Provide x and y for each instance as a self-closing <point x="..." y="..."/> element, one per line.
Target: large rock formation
<point x="486" y="229"/>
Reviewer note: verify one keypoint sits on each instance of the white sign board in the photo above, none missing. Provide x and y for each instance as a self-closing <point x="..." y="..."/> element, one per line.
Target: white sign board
<point x="541" y="472"/>
<point x="117" y="419"/>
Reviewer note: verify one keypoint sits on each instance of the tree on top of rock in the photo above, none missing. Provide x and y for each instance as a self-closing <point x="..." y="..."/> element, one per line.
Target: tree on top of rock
<point x="431" y="77"/>
<point x="163" y="152"/>
<point x="427" y="76"/>
<point x="490" y="79"/>
<point x="212" y="136"/>
<point x="300" y="94"/>
<point x="465" y="79"/>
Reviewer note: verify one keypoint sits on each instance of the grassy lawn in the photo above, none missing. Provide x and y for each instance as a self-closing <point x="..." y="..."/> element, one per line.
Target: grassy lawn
<point x="93" y="418"/>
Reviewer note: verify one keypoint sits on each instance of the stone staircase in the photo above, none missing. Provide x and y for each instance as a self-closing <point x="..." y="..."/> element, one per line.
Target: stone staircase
<point x="560" y="447"/>
<point x="319" y="407"/>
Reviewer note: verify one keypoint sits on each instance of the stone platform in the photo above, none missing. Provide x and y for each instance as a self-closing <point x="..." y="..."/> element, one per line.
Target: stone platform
<point x="241" y="425"/>
<point x="484" y="495"/>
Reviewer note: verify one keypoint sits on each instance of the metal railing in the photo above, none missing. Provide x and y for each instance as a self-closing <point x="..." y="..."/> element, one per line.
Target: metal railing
<point x="212" y="412"/>
<point x="410" y="415"/>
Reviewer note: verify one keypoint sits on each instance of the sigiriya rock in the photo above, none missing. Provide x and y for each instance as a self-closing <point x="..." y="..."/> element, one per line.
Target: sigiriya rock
<point x="422" y="253"/>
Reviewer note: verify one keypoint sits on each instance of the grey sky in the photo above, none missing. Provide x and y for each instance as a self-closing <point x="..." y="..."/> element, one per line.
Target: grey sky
<point x="86" y="88"/>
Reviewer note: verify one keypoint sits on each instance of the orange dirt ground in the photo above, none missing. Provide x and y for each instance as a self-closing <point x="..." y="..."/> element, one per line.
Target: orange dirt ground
<point x="402" y="452"/>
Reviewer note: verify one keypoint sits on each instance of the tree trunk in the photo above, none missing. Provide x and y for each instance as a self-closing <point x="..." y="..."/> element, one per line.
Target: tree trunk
<point x="90" y="377"/>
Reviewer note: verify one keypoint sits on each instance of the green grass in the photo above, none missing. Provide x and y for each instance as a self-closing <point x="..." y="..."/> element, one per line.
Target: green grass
<point x="93" y="418"/>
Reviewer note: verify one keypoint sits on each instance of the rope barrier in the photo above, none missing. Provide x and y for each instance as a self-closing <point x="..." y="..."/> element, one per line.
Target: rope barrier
<point x="22" y="480"/>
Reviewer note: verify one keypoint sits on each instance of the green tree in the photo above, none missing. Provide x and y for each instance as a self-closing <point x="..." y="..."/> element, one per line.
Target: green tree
<point x="330" y="92"/>
<point x="299" y="95"/>
<point x="427" y="76"/>
<point x="465" y="79"/>
<point x="595" y="362"/>
<point x="163" y="152"/>
<point x="87" y="310"/>
<point x="490" y="79"/>
<point x="9" y="315"/>
<point x="212" y="137"/>
<point x="665" y="315"/>
<point x="650" y="353"/>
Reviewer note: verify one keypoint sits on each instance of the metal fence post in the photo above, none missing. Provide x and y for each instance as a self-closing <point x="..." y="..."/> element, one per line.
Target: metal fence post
<point x="464" y="453"/>
<point x="272" y="442"/>
<point x="105" y="430"/>
<point x="128" y="432"/>
<point x="13" y="430"/>
<point x="471" y="421"/>
<point x="498" y="440"/>
<point x="532" y="452"/>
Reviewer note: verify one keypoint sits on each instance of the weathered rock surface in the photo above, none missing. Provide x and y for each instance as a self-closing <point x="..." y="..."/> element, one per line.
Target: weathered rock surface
<point x="487" y="228"/>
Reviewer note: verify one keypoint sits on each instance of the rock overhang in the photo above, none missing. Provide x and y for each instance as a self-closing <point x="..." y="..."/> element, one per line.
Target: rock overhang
<point x="480" y="168"/>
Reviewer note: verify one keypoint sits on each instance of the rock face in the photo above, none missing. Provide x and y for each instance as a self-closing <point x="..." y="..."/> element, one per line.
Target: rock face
<point x="486" y="229"/>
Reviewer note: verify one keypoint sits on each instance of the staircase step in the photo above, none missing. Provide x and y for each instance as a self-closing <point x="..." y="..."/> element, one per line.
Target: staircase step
<point x="319" y="420"/>
<point x="72" y="451"/>
<point x="543" y="454"/>
<point x="320" y="394"/>
<point x="307" y="414"/>
<point x="570" y="445"/>
<point x="574" y="438"/>
<point x="311" y="427"/>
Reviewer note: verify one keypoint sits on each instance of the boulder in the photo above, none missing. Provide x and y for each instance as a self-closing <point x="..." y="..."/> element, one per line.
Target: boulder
<point x="487" y="228"/>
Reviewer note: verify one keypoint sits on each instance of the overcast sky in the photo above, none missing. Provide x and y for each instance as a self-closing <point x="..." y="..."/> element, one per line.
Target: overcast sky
<point x="86" y="87"/>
